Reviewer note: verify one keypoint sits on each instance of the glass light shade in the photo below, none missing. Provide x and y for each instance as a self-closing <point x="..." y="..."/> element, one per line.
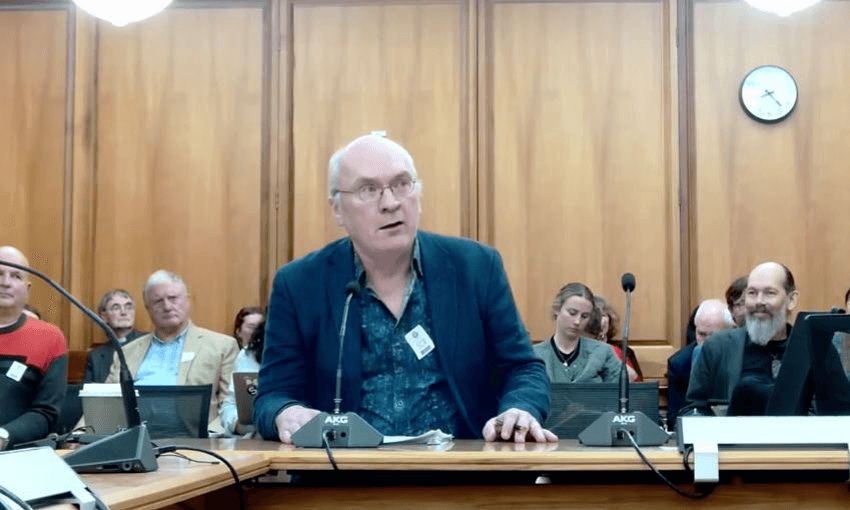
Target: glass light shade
<point x="122" y="12"/>
<point x="781" y="7"/>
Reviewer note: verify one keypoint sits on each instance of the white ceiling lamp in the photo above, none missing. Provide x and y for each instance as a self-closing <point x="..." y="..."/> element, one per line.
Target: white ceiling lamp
<point x="781" y="7"/>
<point x="122" y="12"/>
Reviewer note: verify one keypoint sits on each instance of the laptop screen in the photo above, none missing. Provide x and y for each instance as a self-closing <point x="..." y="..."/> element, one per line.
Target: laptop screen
<point x="574" y="406"/>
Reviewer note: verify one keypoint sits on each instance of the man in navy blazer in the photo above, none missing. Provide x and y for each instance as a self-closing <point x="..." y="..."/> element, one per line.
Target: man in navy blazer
<point x="433" y="338"/>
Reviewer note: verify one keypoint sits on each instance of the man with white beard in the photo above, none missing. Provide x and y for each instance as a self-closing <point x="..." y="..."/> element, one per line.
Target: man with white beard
<point x="738" y="366"/>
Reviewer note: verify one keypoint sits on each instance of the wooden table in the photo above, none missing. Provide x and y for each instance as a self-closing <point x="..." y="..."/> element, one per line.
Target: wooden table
<point x="386" y="477"/>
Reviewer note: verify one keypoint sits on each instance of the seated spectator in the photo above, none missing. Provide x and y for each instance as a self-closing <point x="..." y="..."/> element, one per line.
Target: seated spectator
<point x="604" y="327"/>
<point x="248" y="360"/>
<point x="841" y="340"/>
<point x="178" y="352"/>
<point x="246" y="322"/>
<point x="711" y="316"/>
<point x="118" y="310"/>
<point x="735" y="301"/>
<point x="739" y="365"/>
<point x="569" y="356"/>
<point x="33" y="361"/>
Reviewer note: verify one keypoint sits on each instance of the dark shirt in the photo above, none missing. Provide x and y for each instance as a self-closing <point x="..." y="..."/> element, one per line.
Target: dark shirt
<point x="566" y="359"/>
<point x="401" y="394"/>
<point x="759" y="360"/>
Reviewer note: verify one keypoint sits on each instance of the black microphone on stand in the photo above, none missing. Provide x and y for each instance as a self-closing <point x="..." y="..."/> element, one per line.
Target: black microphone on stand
<point x="613" y="428"/>
<point x="346" y="430"/>
<point x="127" y="450"/>
<point x="628" y="283"/>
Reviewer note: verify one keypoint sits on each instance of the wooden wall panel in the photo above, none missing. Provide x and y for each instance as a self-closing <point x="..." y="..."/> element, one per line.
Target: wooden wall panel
<point x="582" y="165"/>
<point x="772" y="192"/>
<point x="32" y="145"/>
<point x="178" y="159"/>
<point x="394" y="67"/>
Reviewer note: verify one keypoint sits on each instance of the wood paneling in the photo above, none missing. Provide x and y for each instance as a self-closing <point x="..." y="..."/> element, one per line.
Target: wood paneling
<point x="32" y="145"/>
<point x="581" y="159"/>
<point x="179" y="157"/>
<point x="772" y="192"/>
<point x="397" y="68"/>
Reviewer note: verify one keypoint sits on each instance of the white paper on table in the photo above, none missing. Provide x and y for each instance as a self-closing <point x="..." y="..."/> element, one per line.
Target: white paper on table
<point x="431" y="437"/>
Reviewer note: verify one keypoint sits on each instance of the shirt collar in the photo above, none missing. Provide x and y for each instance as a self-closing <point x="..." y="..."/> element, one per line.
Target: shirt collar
<point x="416" y="263"/>
<point x="178" y="339"/>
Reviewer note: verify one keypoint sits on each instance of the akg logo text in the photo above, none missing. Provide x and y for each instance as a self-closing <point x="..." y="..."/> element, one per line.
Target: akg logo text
<point x="336" y="420"/>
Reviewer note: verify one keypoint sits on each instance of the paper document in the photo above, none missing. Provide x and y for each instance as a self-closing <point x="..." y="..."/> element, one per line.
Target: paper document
<point x="431" y="437"/>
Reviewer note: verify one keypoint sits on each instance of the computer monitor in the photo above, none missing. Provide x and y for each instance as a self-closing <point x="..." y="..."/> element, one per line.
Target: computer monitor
<point x="812" y="369"/>
<point x="574" y="406"/>
<point x="175" y="411"/>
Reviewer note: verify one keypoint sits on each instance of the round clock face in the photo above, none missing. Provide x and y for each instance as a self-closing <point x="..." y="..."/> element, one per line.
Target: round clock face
<point x="768" y="94"/>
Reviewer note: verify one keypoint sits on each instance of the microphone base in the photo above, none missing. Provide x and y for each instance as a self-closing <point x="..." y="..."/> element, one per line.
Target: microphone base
<point x="346" y="430"/>
<point x="611" y="428"/>
<point x="126" y="451"/>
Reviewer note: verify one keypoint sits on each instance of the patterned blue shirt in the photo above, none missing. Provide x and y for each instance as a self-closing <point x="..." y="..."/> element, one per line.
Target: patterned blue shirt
<point x="401" y="394"/>
<point x="161" y="365"/>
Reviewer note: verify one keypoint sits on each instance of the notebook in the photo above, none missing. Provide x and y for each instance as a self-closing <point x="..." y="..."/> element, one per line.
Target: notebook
<point x="245" y="387"/>
<point x="574" y="406"/>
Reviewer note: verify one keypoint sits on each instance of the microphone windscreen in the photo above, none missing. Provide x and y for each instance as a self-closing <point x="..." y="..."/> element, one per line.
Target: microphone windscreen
<point x="628" y="282"/>
<point x="352" y="288"/>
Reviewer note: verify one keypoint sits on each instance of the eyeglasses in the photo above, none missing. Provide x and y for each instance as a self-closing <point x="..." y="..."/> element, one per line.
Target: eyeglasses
<point x="372" y="192"/>
<point x="128" y="307"/>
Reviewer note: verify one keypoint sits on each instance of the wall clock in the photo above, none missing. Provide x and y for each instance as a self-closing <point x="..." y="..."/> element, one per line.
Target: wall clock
<point x="768" y="94"/>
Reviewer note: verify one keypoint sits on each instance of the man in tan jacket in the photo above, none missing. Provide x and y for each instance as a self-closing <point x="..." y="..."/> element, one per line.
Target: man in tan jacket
<point x="177" y="352"/>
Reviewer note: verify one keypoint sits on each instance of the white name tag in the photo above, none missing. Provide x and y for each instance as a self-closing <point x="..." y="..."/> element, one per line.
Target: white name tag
<point x="16" y="371"/>
<point x="187" y="357"/>
<point x="419" y="341"/>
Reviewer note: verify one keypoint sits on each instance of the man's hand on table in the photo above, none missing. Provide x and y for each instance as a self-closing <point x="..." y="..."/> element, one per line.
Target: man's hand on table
<point x="518" y="426"/>
<point x="291" y="419"/>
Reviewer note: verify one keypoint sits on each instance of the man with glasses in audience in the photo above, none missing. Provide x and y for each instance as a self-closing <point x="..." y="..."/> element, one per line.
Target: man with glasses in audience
<point x="433" y="340"/>
<point x="118" y="310"/>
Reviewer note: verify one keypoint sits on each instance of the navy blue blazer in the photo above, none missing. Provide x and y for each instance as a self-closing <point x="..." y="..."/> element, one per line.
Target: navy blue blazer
<point x="678" y="376"/>
<point x="481" y="342"/>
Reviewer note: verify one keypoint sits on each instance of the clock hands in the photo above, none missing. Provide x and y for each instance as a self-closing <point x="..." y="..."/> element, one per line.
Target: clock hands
<point x="770" y="93"/>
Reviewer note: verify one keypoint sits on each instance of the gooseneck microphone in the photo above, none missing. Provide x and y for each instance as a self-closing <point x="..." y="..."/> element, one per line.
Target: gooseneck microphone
<point x="347" y="430"/>
<point x="351" y="290"/>
<point x="616" y="428"/>
<point x="127" y="450"/>
<point x="628" y="283"/>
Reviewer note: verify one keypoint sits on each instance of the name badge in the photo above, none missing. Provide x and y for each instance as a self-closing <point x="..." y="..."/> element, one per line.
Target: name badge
<point x="187" y="357"/>
<point x="419" y="341"/>
<point x="16" y="371"/>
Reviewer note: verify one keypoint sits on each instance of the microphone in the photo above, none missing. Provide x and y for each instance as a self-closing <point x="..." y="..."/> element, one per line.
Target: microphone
<point x="614" y="428"/>
<point x="346" y="430"/>
<point x="628" y="283"/>
<point x="351" y="290"/>
<point x="128" y="450"/>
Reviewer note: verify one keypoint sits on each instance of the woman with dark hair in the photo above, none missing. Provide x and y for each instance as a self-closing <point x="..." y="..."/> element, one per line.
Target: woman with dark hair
<point x="604" y="327"/>
<point x="245" y="323"/>
<point x="248" y="360"/>
<point x="569" y="356"/>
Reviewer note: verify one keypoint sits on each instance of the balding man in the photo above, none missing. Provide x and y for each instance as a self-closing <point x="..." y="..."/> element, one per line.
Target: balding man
<point x="712" y="315"/>
<point x="739" y="366"/>
<point x="33" y="361"/>
<point x="178" y="352"/>
<point x="434" y="339"/>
